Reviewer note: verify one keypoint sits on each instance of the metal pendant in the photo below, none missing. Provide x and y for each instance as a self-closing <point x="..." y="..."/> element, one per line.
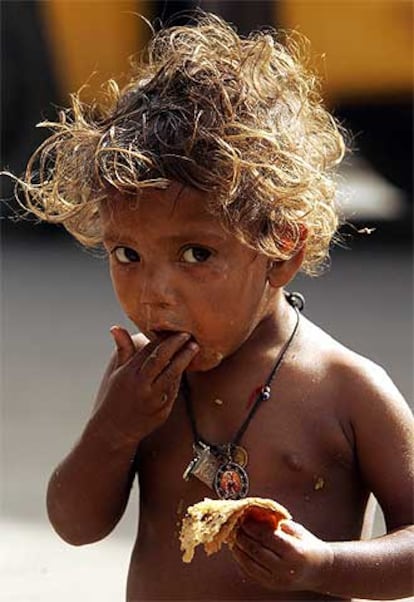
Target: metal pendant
<point x="239" y="455"/>
<point x="189" y="470"/>
<point x="204" y="465"/>
<point x="231" y="481"/>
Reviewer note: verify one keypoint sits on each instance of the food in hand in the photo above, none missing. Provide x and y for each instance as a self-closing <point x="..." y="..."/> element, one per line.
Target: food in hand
<point x="213" y="523"/>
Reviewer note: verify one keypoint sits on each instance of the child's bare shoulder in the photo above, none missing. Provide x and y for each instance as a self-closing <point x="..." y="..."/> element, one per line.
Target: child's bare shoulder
<point x="362" y="386"/>
<point x="359" y="377"/>
<point x="376" y="418"/>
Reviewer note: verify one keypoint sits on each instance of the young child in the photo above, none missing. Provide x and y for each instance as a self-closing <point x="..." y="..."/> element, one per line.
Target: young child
<point x="210" y="181"/>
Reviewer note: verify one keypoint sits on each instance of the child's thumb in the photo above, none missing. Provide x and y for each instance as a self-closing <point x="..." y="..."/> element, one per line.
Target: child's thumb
<point x="124" y="344"/>
<point x="292" y="528"/>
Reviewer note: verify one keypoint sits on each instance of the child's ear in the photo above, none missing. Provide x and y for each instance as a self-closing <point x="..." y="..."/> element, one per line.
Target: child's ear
<point x="280" y="273"/>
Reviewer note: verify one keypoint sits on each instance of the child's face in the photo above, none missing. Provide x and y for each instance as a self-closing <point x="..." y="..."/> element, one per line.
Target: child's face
<point x="174" y="268"/>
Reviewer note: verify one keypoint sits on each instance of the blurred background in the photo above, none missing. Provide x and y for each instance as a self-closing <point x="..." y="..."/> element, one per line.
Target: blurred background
<point x="57" y="303"/>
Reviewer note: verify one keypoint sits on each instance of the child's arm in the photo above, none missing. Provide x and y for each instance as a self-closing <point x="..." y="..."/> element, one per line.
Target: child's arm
<point x="89" y="490"/>
<point x="382" y="568"/>
<point x="294" y="559"/>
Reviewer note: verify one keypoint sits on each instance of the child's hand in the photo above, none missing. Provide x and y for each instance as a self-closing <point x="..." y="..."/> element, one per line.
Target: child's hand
<point x="139" y="393"/>
<point x="290" y="558"/>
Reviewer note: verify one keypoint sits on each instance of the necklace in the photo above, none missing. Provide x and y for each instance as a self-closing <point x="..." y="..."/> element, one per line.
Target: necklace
<point x="223" y="467"/>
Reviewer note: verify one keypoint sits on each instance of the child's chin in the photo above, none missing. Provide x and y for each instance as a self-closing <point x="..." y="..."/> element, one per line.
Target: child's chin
<point x="206" y="359"/>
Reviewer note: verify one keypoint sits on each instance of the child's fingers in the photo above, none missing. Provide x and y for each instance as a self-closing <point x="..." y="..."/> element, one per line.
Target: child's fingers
<point x="253" y="537"/>
<point x="292" y="528"/>
<point x="251" y="566"/>
<point x="124" y="344"/>
<point x="182" y="359"/>
<point x="161" y="355"/>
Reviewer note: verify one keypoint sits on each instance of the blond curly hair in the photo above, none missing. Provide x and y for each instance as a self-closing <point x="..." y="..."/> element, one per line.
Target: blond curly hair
<point x="239" y="118"/>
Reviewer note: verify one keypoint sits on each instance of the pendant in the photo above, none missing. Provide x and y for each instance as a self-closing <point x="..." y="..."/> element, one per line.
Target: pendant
<point x="204" y="465"/>
<point x="239" y="455"/>
<point x="231" y="481"/>
<point x="224" y="470"/>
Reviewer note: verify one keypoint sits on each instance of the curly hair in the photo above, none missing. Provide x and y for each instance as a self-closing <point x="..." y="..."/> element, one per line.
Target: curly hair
<point x="239" y="118"/>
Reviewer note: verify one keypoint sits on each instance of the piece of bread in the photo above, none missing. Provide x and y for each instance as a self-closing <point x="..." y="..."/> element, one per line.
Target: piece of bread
<point x="214" y="522"/>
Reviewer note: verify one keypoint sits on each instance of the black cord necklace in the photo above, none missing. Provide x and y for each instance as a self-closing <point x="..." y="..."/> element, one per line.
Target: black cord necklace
<point x="223" y="467"/>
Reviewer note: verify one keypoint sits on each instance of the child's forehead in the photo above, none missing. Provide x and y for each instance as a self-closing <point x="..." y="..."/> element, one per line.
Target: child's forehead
<point x="178" y="205"/>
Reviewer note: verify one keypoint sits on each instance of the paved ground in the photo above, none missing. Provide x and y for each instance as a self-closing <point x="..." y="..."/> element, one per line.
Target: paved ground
<point x="58" y="306"/>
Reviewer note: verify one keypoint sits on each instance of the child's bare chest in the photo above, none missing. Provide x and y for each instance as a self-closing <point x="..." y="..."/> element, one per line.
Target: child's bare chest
<point x="294" y="456"/>
<point x="294" y="452"/>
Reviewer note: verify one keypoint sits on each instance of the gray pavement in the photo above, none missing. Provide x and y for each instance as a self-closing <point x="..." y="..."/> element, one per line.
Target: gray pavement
<point x="57" y="309"/>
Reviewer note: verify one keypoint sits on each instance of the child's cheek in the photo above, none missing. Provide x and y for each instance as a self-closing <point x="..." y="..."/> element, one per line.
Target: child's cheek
<point x="125" y="287"/>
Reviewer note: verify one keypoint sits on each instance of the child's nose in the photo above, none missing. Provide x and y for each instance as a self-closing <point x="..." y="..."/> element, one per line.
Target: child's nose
<point x="156" y="288"/>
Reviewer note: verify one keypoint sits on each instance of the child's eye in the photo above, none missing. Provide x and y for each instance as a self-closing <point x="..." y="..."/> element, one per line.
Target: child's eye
<point x="125" y="255"/>
<point x="196" y="255"/>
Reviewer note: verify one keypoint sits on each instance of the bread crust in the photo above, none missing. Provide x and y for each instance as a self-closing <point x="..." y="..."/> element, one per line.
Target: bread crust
<point x="213" y="523"/>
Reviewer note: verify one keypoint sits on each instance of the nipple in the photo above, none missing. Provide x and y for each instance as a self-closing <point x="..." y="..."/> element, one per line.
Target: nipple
<point x="293" y="461"/>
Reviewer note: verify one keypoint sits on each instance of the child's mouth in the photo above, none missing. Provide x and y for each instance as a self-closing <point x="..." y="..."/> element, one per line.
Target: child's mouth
<point x="162" y="334"/>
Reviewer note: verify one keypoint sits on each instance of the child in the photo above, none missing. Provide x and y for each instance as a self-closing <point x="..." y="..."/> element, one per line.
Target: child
<point x="209" y="179"/>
